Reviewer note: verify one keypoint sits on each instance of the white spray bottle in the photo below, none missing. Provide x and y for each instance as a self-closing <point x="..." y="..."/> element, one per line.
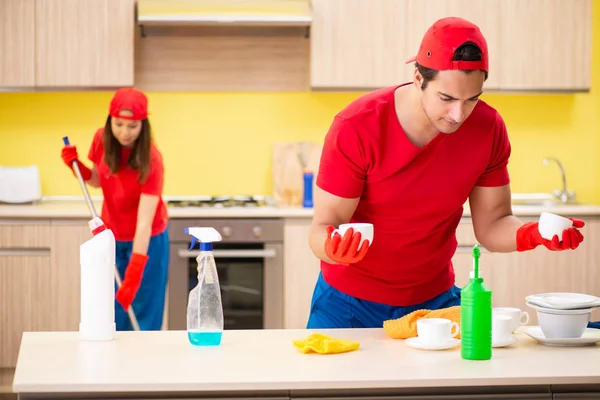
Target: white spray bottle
<point x="97" y="258"/>
<point x="205" y="308"/>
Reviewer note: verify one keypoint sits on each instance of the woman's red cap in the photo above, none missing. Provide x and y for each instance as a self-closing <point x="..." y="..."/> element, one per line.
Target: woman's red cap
<point x="130" y="99"/>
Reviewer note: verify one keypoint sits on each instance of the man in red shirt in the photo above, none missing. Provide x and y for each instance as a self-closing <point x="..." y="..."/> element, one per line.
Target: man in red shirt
<point x="406" y="158"/>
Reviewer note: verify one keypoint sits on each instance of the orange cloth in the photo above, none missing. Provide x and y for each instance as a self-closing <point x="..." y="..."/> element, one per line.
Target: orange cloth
<point x="405" y="327"/>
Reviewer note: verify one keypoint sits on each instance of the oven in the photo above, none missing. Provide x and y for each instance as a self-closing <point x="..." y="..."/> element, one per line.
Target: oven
<point x="249" y="265"/>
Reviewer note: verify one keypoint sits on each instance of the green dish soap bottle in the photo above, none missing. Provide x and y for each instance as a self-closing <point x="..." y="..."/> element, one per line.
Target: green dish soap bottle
<point x="476" y="316"/>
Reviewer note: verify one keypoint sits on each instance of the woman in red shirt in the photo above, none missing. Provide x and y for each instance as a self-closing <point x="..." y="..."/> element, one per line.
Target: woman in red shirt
<point x="129" y="169"/>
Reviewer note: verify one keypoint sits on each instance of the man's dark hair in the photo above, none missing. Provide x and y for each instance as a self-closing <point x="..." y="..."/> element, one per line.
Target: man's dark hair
<point x="468" y="51"/>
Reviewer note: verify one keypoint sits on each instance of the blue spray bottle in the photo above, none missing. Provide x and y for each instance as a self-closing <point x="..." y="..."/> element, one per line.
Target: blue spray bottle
<point x="205" y="308"/>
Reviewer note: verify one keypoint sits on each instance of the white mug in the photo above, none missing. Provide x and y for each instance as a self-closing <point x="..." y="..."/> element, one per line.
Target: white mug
<point x="436" y="330"/>
<point x="365" y="229"/>
<point x="551" y="224"/>
<point x="502" y="327"/>
<point x="518" y="317"/>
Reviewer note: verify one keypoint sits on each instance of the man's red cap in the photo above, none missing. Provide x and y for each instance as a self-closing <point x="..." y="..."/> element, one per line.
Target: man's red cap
<point x="130" y="99"/>
<point x="441" y="41"/>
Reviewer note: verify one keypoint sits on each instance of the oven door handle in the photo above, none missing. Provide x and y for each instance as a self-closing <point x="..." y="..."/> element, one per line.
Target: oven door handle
<point x="266" y="253"/>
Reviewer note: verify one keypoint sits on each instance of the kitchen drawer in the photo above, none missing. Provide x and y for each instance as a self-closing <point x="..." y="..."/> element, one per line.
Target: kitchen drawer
<point x="464" y="233"/>
<point x="24" y="234"/>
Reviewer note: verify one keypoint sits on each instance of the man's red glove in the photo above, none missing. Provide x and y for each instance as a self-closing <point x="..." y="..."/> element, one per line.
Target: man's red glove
<point x="345" y="250"/>
<point x="69" y="154"/>
<point x="528" y="237"/>
<point x="132" y="280"/>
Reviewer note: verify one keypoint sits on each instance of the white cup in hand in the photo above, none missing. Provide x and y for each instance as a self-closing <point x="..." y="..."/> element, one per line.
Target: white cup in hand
<point x="436" y="331"/>
<point x="550" y="225"/>
<point x="365" y="229"/>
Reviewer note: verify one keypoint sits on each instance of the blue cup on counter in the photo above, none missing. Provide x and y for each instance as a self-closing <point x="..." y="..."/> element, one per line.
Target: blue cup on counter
<point x="307" y="201"/>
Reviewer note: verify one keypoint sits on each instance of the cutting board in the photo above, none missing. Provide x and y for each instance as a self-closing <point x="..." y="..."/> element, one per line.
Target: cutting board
<point x="288" y="183"/>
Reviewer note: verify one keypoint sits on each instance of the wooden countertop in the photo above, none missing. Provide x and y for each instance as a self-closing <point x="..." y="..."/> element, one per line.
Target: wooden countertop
<point x="260" y="360"/>
<point x="78" y="209"/>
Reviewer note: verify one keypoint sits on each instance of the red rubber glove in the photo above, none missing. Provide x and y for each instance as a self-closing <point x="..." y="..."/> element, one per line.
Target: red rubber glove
<point x="345" y="250"/>
<point x="528" y="237"/>
<point x="132" y="280"/>
<point x="69" y="154"/>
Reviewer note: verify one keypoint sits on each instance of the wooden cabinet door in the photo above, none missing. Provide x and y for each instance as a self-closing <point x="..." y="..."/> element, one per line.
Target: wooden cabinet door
<point x="364" y="45"/>
<point x="301" y="269"/>
<point x="84" y="43"/>
<point x="358" y="44"/>
<point x="533" y="44"/>
<point x="17" y="44"/>
<point x="24" y="298"/>
<point x="546" y="44"/>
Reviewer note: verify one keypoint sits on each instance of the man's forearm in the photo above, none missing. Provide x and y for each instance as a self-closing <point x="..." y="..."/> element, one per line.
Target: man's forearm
<point x="501" y="235"/>
<point x="316" y="239"/>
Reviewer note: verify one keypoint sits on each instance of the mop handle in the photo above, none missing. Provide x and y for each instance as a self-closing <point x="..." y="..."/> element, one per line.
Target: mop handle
<point x="82" y="183"/>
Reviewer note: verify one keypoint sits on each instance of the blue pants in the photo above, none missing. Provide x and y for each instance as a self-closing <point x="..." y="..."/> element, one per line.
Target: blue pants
<point x="331" y="308"/>
<point x="149" y="301"/>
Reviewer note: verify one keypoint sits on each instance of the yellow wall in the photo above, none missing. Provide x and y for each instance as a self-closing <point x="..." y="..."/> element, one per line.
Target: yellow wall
<point x="220" y="143"/>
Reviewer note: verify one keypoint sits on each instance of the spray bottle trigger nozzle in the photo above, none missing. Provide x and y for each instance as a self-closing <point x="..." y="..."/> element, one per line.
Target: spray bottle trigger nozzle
<point x="203" y="234"/>
<point x="187" y="232"/>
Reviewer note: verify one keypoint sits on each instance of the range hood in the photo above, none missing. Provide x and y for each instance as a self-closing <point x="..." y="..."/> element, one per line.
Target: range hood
<point x="218" y="12"/>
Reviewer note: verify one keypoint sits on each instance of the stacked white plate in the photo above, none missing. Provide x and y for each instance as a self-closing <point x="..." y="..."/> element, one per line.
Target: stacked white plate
<point x="564" y="301"/>
<point x="563" y="318"/>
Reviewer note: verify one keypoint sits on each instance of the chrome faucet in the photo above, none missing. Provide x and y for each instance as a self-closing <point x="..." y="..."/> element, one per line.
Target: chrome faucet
<point x="564" y="195"/>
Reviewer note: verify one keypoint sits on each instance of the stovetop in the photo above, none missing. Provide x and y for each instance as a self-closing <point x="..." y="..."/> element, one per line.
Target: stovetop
<point x="220" y="202"/>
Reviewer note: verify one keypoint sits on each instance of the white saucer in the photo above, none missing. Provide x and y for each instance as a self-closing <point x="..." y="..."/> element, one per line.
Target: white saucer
<point x="590" y="337"/>
<point x="416" y="343"/>
<point x="512" y="339"/>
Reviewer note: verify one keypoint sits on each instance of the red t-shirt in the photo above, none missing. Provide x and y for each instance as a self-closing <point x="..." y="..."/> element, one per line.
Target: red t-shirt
<point x="413" y="196"/>
<point x="122" y="191"/>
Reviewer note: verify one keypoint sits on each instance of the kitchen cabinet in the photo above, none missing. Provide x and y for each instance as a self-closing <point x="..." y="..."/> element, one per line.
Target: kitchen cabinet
<point x="39" y="279"/>
<point x="511" y="276"/>
<point x="16" y="43"/>
<point x="364" y="45"/>
<point x="84" y="43"/>
<point x="24" y="284"/>
<point x="300" y="272"/>
<point x="66" y="43"/>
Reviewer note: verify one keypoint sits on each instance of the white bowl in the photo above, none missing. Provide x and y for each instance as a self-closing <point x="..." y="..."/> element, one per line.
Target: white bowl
<point x="563" y="326"/>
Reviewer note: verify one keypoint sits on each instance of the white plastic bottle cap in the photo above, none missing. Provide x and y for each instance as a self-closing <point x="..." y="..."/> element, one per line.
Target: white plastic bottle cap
<point x="472" y="274"/>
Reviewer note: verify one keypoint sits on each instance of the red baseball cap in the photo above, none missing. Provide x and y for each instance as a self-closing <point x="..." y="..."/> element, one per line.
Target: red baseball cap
<point x="130" y="99"/>
<point x="441" y="41"/>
